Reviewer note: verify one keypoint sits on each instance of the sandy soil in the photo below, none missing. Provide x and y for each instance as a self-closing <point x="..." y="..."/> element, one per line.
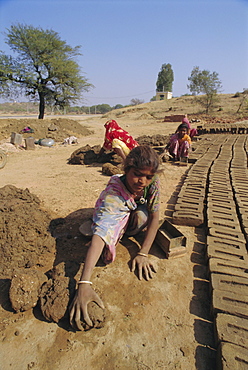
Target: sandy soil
<point x="164" y="323"/>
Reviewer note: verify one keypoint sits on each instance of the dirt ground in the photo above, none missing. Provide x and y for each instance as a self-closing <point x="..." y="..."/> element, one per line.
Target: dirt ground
<point x="164" y="323"/>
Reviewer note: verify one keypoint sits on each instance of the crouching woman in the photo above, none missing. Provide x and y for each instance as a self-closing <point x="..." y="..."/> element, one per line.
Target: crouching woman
<point x="180" y="143"/>
<point x="129" y="203"/>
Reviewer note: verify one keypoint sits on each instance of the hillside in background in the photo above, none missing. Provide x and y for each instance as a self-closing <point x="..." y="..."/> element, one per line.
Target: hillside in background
<point x="227" y="108"/>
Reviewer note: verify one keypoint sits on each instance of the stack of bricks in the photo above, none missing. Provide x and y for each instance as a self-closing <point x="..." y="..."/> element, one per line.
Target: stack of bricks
<point x="217" y="185"/>
<point x="227" y="253"/>
<point x="189" y="208"/>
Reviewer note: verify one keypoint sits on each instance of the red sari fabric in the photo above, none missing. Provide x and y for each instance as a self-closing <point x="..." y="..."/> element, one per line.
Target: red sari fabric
<point x="114" y="131"/>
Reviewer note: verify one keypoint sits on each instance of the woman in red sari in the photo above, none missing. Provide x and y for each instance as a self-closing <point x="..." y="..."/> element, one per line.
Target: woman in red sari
<point x="117" y="139"/>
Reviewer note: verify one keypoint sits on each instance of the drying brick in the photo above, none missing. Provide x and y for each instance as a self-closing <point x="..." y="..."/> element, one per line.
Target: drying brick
<point x="230" y="302"/>
<point x="230" y="283"/>
<point x="232" y="329"/>
<point x="222" y="232"/>
<point x="227" y="267"/>
<point x="188" y="218"/>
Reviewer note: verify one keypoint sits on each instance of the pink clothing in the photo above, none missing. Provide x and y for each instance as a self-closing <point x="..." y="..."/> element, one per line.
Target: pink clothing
<point x="179" y="148"/>
<point x="192" y="131"/>
<point x="113" y="209"/>
<point x="185" y="120"/>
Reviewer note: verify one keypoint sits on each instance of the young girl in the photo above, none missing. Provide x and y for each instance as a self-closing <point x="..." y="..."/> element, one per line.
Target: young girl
<point x="179" y="143"/>
<point x="117" y="139"/>
<point x="129" y="203"/>
<point x="191" y="131"/>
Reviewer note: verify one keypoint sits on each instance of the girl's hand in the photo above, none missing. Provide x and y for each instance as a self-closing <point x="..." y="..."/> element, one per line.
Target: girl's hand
<point x="84" y="295"/>
<point x="143" y="265"/>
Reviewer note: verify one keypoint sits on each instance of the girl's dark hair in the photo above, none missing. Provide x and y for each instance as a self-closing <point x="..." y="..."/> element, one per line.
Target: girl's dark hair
<point x="140" y="157"/>
<point x="182" y="126"/>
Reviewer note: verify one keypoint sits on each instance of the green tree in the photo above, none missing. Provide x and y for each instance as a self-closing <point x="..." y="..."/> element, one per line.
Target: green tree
<point x="44" y="70"/>
<point x="206" y="83"/>
<point x="103" y="108"/>
<point x="118" y="106"/>
<point x="165" y="78"/>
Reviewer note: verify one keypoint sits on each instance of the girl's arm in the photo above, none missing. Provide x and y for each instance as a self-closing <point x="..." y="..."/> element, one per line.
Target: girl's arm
<point x="142" y="262"/>
<point x="152" y="227"/>
<point x="85" y="294"/>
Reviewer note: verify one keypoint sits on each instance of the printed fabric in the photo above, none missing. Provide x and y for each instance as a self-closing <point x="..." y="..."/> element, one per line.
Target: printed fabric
<point x="179" y="147"/>
<point x="114" y="131"/>
<point x="113" y="209"/>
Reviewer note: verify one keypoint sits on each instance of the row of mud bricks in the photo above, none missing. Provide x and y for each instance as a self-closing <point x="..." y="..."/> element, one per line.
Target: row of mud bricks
<point x="222" y="130"/>
<point x="216" y="187"/>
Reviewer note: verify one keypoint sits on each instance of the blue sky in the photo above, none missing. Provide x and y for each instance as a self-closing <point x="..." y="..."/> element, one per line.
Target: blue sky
<point x="125" y="42"/>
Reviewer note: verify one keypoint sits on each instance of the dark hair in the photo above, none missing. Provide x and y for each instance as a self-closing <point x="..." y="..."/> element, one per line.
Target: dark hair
<point x="140" y="157"/>
<point x="182" y="126"/>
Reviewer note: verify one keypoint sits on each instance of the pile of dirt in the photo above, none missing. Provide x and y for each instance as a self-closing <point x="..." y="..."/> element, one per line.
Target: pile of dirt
<point x="25" y="241"/>
<point x="90" y="154"/>
<point x="154" y="140"/>
<point x="57" y="129"/>
<point x="33" y="258"/>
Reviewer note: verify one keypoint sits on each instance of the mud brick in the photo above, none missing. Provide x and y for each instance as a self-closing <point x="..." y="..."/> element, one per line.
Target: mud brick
<point x="219" y="178"/>
<point x="202" y="175"/>
<point x="242" y="204"/>
<point x="236" y="284"/>
<point x="241" y="183"/>
<point x="227" y="267"/>
<point x="193" y="190"/>
<point x="224" y="224"/>
<point x="220" y="188"/>
<point x="219" y="197"/>
<point x="244" y="221"/>
<point x="227" y="243"/>
<point x="221" y="201"/>
<point x="242" y="190"/>
<point x="239" y="177"/>
<point x="226" y="233"/>
<point x="224" y="181"/>
<point x="241" y="197"/>
<point x="198" y="184"/>
<point x="217" y="206"/>
<point x="231" y="357"/>
<point x="189" y="206"/>
<point x="191" y="197"/>
<point x="226" y="253"/>
<point x="219" y="174"/>
<point x="222" y="215"/>
<point x="215" y="192"/>
<point x="184" y="201"/>
<point x="188" y="218"/>
<point x="230" y="302"/>
<point x="246" y="233"/>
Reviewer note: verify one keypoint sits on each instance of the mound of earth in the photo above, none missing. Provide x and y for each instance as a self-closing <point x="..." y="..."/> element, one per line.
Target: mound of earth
<point x="88" y="155"/>
<point x="154" y="140"/>
<point x="25" y="241"/>
<point x="57" y="129"/>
